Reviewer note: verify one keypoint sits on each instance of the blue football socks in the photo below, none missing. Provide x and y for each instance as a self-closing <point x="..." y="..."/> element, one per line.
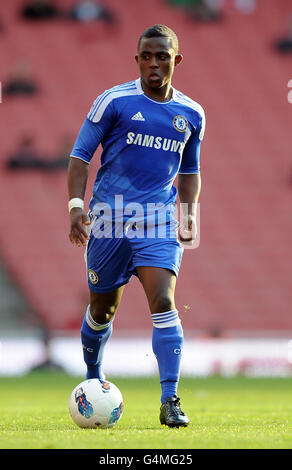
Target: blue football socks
<point x="94" y="337"/>
<point x="167" y="343"/>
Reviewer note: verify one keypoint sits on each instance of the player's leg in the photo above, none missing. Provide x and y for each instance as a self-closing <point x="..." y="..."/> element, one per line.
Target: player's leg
<point x="167" y="339"/>
<point x="97" y="328"/>
<point x="107" y="262"/>
<point x="159" y="286"/>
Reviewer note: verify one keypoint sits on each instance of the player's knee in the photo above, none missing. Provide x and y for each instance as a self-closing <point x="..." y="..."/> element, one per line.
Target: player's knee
<point x="102" y="313"/>
<point x="162" y="303"/>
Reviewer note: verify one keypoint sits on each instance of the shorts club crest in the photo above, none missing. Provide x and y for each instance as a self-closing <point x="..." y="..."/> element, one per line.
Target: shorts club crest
<point x="92" y="276"/>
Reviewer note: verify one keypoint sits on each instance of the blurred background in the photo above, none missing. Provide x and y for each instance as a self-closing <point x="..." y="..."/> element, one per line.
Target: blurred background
<point x="234" y="292"/>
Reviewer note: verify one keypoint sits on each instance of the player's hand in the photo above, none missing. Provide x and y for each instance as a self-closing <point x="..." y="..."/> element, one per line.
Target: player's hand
<point x="79" y="220"/>
<point x="188" y="230"/>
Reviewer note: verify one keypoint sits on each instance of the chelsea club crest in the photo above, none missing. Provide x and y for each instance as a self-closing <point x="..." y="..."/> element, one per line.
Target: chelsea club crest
<point x="93" y="277"/>
<point x="180" y="123"/>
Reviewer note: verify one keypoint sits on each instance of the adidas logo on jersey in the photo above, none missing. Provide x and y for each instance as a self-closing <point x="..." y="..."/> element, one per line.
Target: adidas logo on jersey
<point x="138" y="117"/>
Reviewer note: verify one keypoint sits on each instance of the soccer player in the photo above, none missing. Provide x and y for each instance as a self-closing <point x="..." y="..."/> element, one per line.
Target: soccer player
<point x="150" y="133"/>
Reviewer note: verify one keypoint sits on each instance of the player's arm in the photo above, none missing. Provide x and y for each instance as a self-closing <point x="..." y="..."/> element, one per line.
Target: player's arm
<point x="95" y="127"/>
<point x="189" y="183"/>
<point x="189" y="188"/>
<point x="76" y="181"/>
<point x="88" y="139"/>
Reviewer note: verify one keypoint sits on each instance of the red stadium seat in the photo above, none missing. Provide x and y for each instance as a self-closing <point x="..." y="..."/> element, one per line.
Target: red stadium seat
<point x="240" y="277"/>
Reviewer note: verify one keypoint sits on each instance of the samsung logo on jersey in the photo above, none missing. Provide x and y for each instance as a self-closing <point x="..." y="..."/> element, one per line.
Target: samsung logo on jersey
<point x="145" y="140"/>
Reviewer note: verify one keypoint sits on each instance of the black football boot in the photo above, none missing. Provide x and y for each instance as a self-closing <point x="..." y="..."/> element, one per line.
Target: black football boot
<point x="171" y="413"/>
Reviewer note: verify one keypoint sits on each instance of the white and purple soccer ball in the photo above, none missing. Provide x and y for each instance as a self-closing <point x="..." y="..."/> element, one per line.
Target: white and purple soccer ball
<point x="96" y="403"/>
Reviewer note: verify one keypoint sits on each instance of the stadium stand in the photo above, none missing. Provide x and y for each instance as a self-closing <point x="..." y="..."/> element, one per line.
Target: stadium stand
<point x="239" y="279"/>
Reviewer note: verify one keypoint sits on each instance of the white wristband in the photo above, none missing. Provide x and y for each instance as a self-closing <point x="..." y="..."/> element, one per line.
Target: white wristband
<point x="75" y="202"/>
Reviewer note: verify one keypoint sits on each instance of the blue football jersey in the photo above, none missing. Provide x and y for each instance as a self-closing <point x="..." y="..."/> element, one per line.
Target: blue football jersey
<point x="145" y="144"/>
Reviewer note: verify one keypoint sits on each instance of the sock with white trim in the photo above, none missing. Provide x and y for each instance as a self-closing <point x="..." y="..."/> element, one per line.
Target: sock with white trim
<point x="94" y="337"/>
<point x="167" y="343"/>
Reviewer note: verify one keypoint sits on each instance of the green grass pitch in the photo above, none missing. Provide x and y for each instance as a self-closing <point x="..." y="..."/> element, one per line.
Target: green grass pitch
<point x="225" y="413"/>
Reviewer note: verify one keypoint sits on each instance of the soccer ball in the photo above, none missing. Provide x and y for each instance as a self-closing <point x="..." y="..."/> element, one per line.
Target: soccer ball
<point x="96" y="403"/>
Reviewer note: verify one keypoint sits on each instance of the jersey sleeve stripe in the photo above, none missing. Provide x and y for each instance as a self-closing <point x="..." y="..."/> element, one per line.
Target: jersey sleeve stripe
<point x="100" y="98"/>
<point x="80" y="158"/>
<point x="96" y="117"/>
<point x="189" y="173"/>
<point x="98" y="101"/>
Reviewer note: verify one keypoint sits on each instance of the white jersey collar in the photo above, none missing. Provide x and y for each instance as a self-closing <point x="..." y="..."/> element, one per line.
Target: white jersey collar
<point x="140" y="90"/>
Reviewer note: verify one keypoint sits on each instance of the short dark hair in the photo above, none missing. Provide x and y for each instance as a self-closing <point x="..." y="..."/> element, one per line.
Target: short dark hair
<point x="160" y="30"/>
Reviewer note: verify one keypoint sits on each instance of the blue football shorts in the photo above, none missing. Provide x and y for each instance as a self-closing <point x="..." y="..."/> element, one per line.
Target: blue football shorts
<point x="112" y="260"/>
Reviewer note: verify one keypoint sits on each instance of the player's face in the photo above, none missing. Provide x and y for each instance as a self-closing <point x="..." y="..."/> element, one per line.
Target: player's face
<point x="156" y="59"/>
